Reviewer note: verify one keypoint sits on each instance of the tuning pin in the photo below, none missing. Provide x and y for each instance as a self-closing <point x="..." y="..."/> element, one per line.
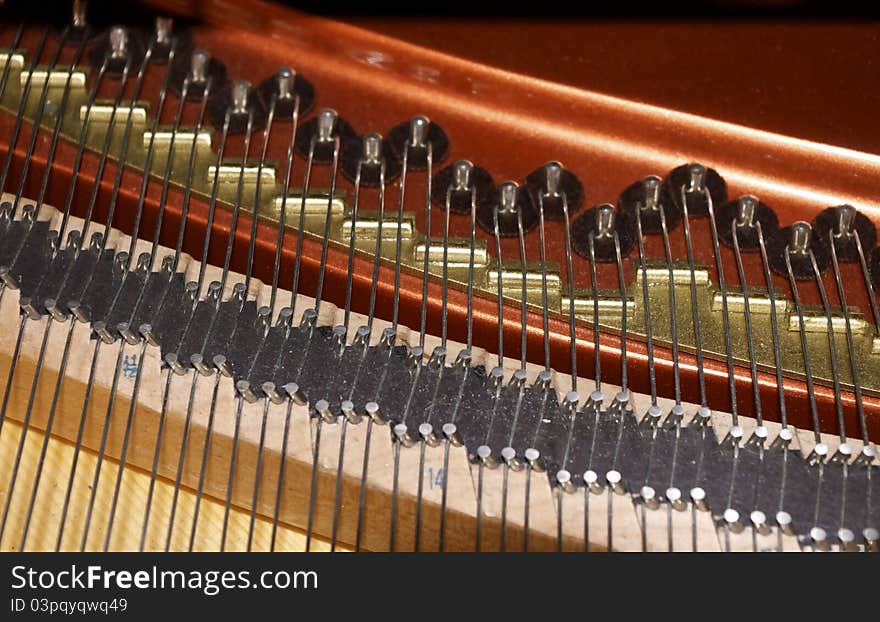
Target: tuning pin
<point x="591" y="481"/>
<point x="286" y="85"/>
<point x="402" y="435"/>
<point x="843" y="454"/>
<point x="551" y="182"/>
<point x="675" y="417"/>
<point x="534" y="460"/>
<point x="239" y="105"/>
<point x="426" y="433"/>
<point x="872" y="540"/>
<point x="450" y="433"/>
<point x="698" y="498"/>
<point x="413" y="137"/>
<point x="693" y="182"/>
<point x="563" y="480"/>
<point x="486" y="457"/>
<point x="197" y="69"/>
<point x="79" y="17"/>
<point x="494" y="379"/>
<point x="173" y="363"/>
<point x="847" y="540"/>
<point x="165" y="38"/>
<point x="245" y="389"/>
<point x="647" y="198"/>
<point x="320" y="132"/>
<point x="271" y="391"/>
<point x="818" y="539"/>
<point x="349" y="412"/>
<point x="818" y="455"/>
<point x="365" y="157"/>
<point x="758" y="439"/>
<point x="866" y="456"/>
<point x="615" y="482"/>
<point x="322" y="410"/>
<point x="734" y="438"/>
<point x="603" y="222"/>
<point x="117" y="47"/>
<point x="675" y="499"/>
<point x="743" y="216"/>
<point x="595" y="401"/>
<point x="783" y="439"/>
<point x="509" y="201"/>
<point x="785" y="523"/>
<point x="375" y="413"/>
<point x="294" y="394"/>
<point x="797" y="241"/>
<point x="518" y="379"/>
<point x="652" y="418"/>
<point x="759" y="522"/>
<point x="649" y="497"/>
<point x="461" y="182"/>
<point x="839" y="225"/>
<point x="619" y="404"/>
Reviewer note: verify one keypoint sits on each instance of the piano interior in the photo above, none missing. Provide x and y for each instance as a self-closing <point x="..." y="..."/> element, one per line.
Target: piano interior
<point x="275" y="281"/>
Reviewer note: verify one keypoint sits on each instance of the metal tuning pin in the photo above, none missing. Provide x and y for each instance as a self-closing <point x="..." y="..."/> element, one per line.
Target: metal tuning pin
<point x="620" y="404"/>
<point x="675" y="417"/>
<point x="349" y="412"/>
<point x="797" y="241"/>
<point x="698" y="498"/>
<point x="615" y="481"/>
<point x="872" y="540"/>
<point x="165" y="38"/>
<point x="591" y="481"/>
<point x="450" y="433"/>
<point x="602" y="222"/>
<point x="322" y="410"/>
<point x="649" y="196"/>
<point x="744" y="215"/>
<point x="534" y="460"/>
<point x="676" y="499"/>
<point x="692" y="182"/>
<point x="318" y="135"/>
<point x="551" y="182"/>
<point x="759" y="523"/>
<point x="785" y="523"/>
<point x="362" y="161"/>
<point x="734" y="437"/>
<point x="288" y="87"/>
<point x="649" y="497"/>
<point x="79" y="20"/>
<point x="818" y="540"/>
<point x="459" y="183"/>
<point x="847" y="540"/>
<point x="118" y="46"/>
<point x="413" y="137"/>
<point x="595" y="402"/>
<point x="373" y="411"/>
<point x="509" y="200"/>
<point x="197" y="70"/>
<point x="240" y="102"/>
<point x="758" y="439"/>
<point x="563" y="480"/>
<point x="653" y="418"/>
<point x="839" y="226"/>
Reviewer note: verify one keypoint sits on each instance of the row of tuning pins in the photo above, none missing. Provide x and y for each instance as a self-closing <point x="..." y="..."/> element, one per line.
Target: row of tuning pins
<point x="746" y="218"/>
<point x="361" y="159"/>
